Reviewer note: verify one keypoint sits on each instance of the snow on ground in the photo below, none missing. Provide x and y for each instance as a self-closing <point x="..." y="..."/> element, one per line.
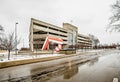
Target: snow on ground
<point x="4" y="56"/>
<point x="95" y="50"/>
<point x="89" y="50"/>
<point x="23" y="57"/>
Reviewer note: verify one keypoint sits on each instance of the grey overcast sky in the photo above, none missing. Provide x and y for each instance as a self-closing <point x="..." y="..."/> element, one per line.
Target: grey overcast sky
<point x="90" y="16"/>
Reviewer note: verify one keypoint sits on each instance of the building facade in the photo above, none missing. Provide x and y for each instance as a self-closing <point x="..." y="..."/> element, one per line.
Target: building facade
<point x="40" y="30"/>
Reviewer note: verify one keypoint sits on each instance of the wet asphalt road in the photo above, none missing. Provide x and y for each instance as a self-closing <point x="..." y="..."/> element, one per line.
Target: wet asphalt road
<point x="100" y="68"/>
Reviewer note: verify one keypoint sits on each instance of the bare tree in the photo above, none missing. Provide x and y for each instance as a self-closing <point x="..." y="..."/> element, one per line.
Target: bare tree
<point x="1" y="30"/>
<point x="1" y="33"/>
<point x="8" y="43"/>
<point x="114" y="24"/>
<point x="95" y="40"/>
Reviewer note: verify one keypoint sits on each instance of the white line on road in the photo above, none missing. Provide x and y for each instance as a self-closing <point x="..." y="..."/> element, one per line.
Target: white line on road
<point x="115" y="79"/>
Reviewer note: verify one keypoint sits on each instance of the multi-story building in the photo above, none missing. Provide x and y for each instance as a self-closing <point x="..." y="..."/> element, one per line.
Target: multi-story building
<point x="84" y="41"/>
<point x="39" y="30"/>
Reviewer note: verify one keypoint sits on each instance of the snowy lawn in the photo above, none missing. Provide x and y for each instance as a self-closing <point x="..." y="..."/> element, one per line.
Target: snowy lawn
<point x="90" y="50"/>
<point x="95" y="50"/>
<point x="24" y="57"/>
<point x="4" y="56"/>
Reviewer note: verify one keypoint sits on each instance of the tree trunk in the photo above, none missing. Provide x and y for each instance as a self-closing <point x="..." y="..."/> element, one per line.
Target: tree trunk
<point x="8" y="54"/>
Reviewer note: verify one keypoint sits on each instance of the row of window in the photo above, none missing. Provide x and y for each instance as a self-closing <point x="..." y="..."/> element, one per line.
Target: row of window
<point x="40" y="32"/>
<point x="85" y="44"/>
<point x="57" y="34"/>
<point x="49" y="27"/>
<point x="40" y="39"/>
<point x="39" y="25"/>
<point x="57" y="30"/>
<point x="83" y="37"/>
<point x="84" y="40"/>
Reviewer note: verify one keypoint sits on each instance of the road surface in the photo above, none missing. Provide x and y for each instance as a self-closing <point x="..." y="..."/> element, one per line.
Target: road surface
<point x="101" y="68"/>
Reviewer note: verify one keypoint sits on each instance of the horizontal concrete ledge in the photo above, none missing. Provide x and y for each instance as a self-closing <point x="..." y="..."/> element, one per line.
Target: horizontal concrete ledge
<point x="34" y="60"/>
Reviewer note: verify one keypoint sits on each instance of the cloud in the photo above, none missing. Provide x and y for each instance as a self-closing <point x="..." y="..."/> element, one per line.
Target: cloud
<point x="90" y="16"/>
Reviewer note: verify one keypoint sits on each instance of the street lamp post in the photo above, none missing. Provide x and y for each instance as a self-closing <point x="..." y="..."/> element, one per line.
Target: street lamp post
<point x="16" y="37"/>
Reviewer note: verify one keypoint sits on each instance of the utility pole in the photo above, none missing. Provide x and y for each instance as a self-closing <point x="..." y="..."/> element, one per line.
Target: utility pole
<point x="16" y="37"/>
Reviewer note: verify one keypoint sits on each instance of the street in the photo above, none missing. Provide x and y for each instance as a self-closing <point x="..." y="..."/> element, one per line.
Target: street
<point x="93" y="68"/>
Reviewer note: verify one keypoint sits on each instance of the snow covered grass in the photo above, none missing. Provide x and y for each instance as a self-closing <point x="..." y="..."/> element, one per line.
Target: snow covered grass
<point x="90" y="50"/>
<point x="24" y="57"/>
<point x="95" y="50"/>
<point x="4" y="56"/>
